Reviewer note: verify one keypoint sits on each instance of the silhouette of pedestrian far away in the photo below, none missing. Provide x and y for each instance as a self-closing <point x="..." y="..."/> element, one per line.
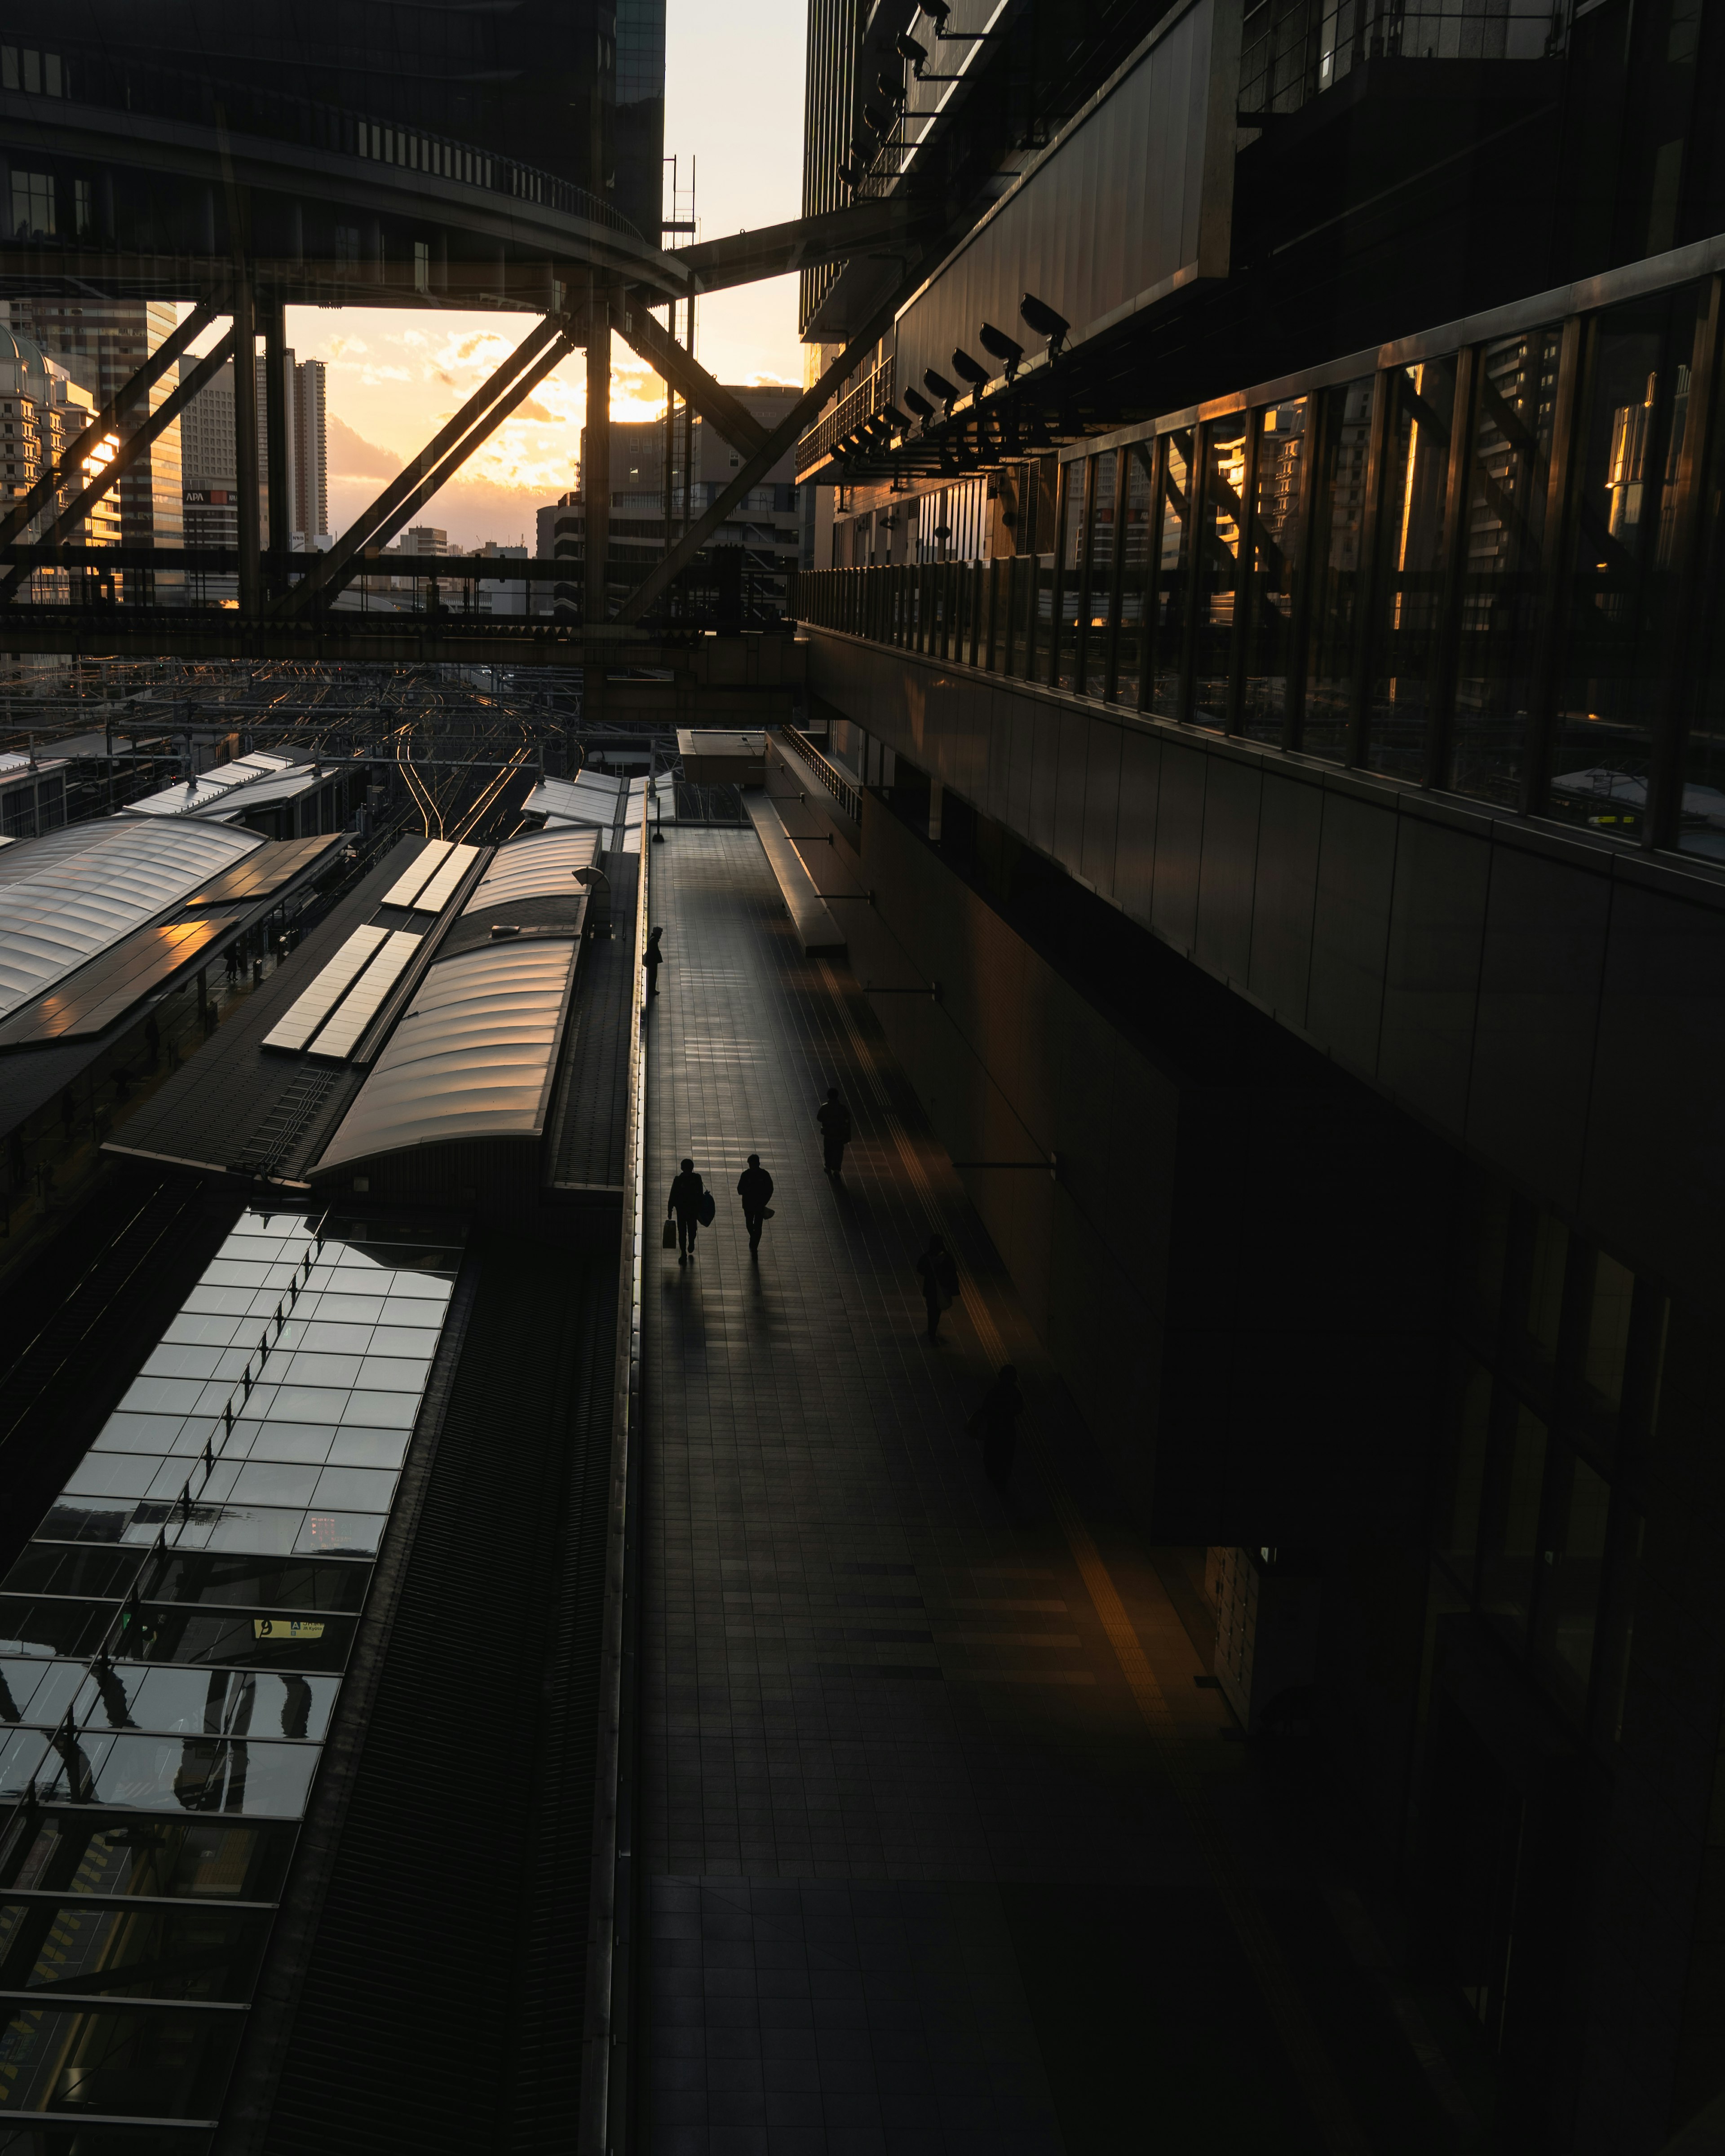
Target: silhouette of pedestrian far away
<point x="652" y="958"/>
<point x="754" y="1187"/>
<point x="835" y="1120"/>
<point x="686" y="1192"/>
<point x="996" y="1423"/>
<point x="939" y="1276"/>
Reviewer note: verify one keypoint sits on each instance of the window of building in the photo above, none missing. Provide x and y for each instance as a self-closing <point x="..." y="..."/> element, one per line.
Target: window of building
<point x="1168" y="612"/>
<point x="83" y="209"/>
<point x="1280" y="497"/>
<point x="1069" y="569"/>
<point x="1338" y="543"/>
<point x="1508" y="482"/>
<point x="346" y="249"/>
<point x="1099" y="592"/>
<point x="1571" y="1572"/>
<point x="1135" y="544"/>
<point x="422" y="265"/>
<point x="32" y="205"/>
<point x="1510" y="1539"/>
<point x="1621" y="617"/>
<point x="1221" y="516"/>
<point x="1407" y="679"/>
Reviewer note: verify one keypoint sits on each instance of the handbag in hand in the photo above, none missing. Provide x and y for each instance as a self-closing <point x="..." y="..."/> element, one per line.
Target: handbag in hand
<point x="668" y="1236"/>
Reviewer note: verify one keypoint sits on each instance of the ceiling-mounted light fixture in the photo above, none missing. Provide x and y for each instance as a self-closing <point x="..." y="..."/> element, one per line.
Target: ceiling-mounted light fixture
<point x="1002" y="346"/>
<point x="1046" y="323"/>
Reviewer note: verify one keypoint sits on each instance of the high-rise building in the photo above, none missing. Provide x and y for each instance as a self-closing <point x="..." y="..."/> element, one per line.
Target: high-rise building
<point x="43" y="412"/>
<point x="207" y="457"/>
<point x="103" y="342"/>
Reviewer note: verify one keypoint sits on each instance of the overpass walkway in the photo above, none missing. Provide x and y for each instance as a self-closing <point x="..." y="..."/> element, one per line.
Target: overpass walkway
<point x="945" y="1849"/>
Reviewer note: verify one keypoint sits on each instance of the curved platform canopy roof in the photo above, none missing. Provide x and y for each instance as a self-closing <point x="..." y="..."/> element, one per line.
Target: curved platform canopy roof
<point x="543" y="867"/>
<point x="66" y="898"/>
<point x="474" y="1058"/>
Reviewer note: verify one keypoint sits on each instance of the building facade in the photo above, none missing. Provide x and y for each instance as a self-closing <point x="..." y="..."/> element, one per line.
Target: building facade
<point x="43" y="412"/>
<point x="209" y="470"/>
<point x="1269" y="662"/>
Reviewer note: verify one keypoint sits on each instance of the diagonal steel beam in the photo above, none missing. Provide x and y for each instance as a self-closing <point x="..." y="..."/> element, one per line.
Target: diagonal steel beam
<point x="691" y="380"/>
<point x="832" y="235"/>
<point x="782" y="438"/>
<point x="139" y="385"/>
<point x="128" y="454"/>
<point x="440" y="474"/>
<point x="385" y="514"/>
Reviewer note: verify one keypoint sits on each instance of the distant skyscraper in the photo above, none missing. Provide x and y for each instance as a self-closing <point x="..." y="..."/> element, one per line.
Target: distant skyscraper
<point x="208" y="458"/>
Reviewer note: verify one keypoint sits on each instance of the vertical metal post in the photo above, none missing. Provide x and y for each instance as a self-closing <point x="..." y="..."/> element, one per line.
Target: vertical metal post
<point x="245" y="441"/>
<point x="596" y="461"/>
<point x="277" y="390"/>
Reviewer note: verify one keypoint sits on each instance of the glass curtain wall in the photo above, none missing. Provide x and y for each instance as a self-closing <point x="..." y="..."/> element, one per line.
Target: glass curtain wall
<point x="1499" y="571"/>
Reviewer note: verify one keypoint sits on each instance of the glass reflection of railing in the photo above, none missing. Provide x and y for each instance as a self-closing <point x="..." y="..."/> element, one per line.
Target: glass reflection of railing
<point x="91" y="77"/>
<point x="1293" y="50"/>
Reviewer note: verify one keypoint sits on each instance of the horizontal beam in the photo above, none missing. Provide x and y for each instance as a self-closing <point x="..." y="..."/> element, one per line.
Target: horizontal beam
<point x="217" y="560"/>
<point x="804" y="242"/>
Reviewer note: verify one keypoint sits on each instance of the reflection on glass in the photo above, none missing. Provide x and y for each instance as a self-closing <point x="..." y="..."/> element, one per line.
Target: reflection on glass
<point x="163" y="1859"/>
<point x="1279" y="519"/>
<point x="1135" y="561"/>
<point x="1571" y="1570"/>
<point x="1507" y="1558"/>
<point x="1168" y="647"/>
<point x="1337" y="539"/>
<point x="1608" y="1329"/>
<point x="125" y="2061"/>
<point x="1464" y="1480"/>
<point x="1101" y="587"/>
<point x="1621" y="628"/>
<point x="1072" y="573"/>
<point x="1222" y="516"/>
<point x="1506" y="505"/>
<point x="194" y="1951"/>
<point x="1405" y="685"/>
<point x="1549" y="1259"/>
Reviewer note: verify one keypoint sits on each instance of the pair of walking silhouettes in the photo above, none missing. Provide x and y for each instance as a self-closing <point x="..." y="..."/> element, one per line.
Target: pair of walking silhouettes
<point x="693" y="1207"/>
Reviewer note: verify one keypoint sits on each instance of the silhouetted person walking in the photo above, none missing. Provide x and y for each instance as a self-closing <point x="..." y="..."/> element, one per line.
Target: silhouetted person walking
<point x="939" y="1276"/>
<point x="996" y="1423"/>
<point x="754" y="1187"/>
<point x="652" y="958"/>
<point x="686" y="1192"/>
<point x="835" y="1120"/>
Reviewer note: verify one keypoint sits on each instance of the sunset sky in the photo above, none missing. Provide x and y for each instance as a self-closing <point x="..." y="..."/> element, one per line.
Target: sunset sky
<point x="734" y="104"/>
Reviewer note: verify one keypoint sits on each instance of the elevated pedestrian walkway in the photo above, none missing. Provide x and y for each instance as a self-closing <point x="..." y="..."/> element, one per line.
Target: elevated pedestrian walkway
<point x="945" y="1850"/>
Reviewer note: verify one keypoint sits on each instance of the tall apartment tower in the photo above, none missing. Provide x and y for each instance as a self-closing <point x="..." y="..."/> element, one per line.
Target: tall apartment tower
<point x="102" y="343"/>
<point x="207" y="456"/>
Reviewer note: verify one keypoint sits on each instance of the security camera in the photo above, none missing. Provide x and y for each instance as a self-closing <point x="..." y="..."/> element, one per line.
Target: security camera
<point x="1046" y="323"/>
<point x="1002" y="347"/>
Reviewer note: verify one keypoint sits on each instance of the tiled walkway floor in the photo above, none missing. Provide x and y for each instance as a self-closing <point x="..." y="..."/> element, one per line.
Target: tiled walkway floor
<point x="932" y="1797"/>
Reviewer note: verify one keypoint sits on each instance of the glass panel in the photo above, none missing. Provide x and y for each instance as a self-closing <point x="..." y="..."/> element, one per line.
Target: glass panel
<point x="1545" y="1283"/>
<point x="75" y="1852"/>
<point x="278" y="1639"/>
<point x="1506" y="546"/>
<point x="1336" y="540"/>
<point x="196" y="1952"/>
<point x="1072" y="482"/>
<point x="1133" y="573"/>
<point x="1222" y="514"/>
<point x="153" y="2063"/>
<point x="1569" y="1588"/>
<point x="1457" y="1525"/>
<point x="1608" y="1329"/>
<point x="1279" y="513"/>
<point x="231" y="1702"/>
<point x="1622" y="627"/>
<point x="62" y="1568"/>
<point x="1411" y="588"/>
<point x="1040" y="655"/>
<point x="1507" y="1564"/>
<point x="1101" y="576"/>
<point x="1169" y="658"/>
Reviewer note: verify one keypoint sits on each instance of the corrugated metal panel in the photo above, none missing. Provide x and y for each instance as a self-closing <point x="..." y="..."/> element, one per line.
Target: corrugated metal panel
<point x="342" y="1034"/>
<point x="543" y="867"/>
<point x="309" y="1011"/>
<point x="1144" y="146"/>
<point x="472" y="1059"/>
<point x="438" y="893"/>
<point x="426" y="864"/>
<point x="211" y="788"/>
<point x="591" y="798"/>
<point x="73" y="894"/>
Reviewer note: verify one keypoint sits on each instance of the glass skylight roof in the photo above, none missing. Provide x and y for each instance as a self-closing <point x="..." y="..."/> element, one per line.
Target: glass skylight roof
<point x="171" y="1646"/>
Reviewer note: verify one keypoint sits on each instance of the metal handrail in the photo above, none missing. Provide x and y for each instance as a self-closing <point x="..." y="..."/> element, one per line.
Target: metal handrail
<point x="844" y="791"/>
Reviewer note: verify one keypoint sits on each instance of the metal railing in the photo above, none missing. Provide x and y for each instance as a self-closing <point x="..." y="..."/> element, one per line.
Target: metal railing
<point x="863" y="402"/>
<point x="89" y="76"/>
<point x="844" y="791"/>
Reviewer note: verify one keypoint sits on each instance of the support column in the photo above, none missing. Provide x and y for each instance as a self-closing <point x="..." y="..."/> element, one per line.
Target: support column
<point x="276" y="459"/>
<point x="246" y="442"/>
<point x="596" y="462"/>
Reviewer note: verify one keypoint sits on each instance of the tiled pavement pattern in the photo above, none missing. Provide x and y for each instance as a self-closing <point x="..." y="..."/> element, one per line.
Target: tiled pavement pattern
<point x="919" y="1882"/>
